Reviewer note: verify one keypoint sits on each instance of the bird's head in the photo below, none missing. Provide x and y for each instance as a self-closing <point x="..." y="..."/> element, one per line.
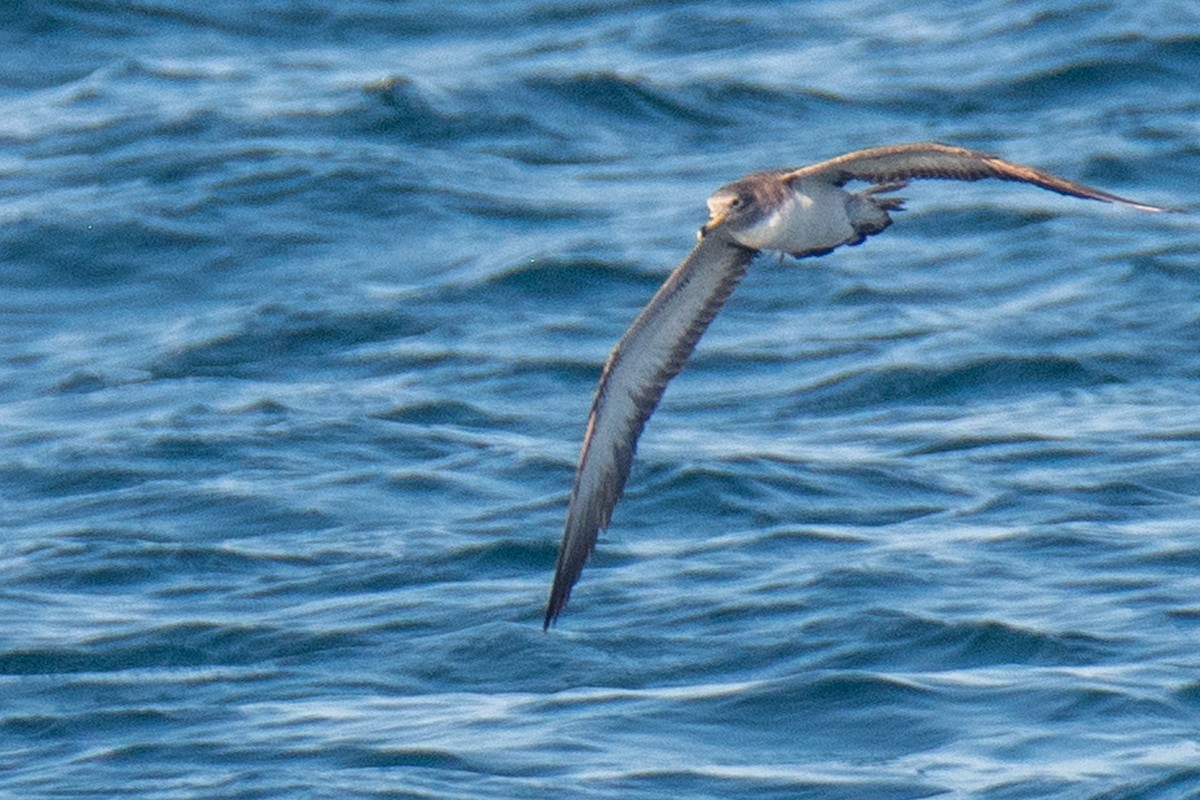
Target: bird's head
<point x="743" y="205"/>
<point x="734" y="206"/>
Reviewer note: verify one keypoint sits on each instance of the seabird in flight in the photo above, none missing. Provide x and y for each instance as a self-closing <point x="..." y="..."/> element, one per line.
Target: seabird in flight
<point x="803" y="211"/>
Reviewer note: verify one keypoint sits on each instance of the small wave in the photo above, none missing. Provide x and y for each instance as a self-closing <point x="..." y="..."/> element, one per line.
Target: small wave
<point x="63" y="480"/>
<point x="964" y="443"/>
<point x="441" y="412"/>
<point x="762" y="782"/>
<point x="185" y="644"/>
<point x="991" y="378"/>
<point x="71" y="254"/>
<point x="864" y="712"/>
<point x="363" y="757"/>
<point x="403" y="108"/>
<point x="1069" y="83"/>
<point x="565" y="279"/>
<point x="619" y="98"/>
<point x="551" y="118"/>
<point x="91" y="722"/>
<point x="277" y="336"/>
<point x="919" y="643"/>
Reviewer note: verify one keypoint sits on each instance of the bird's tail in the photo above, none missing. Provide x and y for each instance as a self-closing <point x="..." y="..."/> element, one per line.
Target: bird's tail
<point x="868" y="211"/>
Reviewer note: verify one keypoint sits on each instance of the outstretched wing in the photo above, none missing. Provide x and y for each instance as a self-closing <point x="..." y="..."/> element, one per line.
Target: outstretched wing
<point x="903" y="162"/>
<point x="650" y="353"/>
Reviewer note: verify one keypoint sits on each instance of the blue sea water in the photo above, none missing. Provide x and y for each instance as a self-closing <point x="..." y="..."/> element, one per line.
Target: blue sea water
<point x="302" y="305"/>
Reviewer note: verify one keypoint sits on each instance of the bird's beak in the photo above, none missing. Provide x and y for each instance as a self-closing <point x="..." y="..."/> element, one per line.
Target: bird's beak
<point x="713" y="221"/>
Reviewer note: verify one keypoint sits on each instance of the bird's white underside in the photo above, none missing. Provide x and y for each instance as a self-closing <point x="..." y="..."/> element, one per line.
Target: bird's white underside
<point x="812" y="217"/>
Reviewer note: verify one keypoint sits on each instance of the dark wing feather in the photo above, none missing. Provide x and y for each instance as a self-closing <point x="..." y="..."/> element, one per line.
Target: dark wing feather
<point x="903" y="162"/>
<point x="650" y="353"/>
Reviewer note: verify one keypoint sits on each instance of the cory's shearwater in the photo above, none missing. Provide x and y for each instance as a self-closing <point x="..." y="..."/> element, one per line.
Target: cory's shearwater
<point x="801" y="211"/>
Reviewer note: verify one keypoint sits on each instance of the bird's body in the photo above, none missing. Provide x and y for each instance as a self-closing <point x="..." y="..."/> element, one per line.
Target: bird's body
<point x="812" y="218"/>
<point x="803" y="212"/>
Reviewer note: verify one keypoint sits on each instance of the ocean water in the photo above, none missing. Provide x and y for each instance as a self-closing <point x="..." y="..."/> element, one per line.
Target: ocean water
<point x="302" y="305"/>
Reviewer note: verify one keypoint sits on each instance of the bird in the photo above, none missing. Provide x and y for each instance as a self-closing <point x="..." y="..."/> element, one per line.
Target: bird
<point x="804" y="212"/>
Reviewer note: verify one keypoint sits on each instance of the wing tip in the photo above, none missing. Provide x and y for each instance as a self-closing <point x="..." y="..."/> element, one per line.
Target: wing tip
<point x="1159" y="209"/>
<point x="1137" y="205"/>
<point x="560" y="592"/>
<point x="552" y="611"/>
